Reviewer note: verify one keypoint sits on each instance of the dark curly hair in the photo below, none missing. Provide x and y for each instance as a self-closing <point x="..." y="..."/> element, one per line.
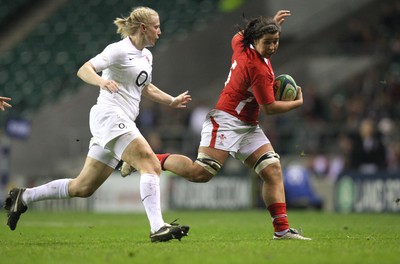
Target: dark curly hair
<point x="256" y="28"/>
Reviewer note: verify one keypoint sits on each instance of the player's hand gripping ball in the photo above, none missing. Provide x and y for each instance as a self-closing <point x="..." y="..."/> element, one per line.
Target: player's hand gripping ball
<point x="285" y="88"/>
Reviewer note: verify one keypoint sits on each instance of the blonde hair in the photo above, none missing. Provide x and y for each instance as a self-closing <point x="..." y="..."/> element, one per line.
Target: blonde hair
<point x="127" y="26"/>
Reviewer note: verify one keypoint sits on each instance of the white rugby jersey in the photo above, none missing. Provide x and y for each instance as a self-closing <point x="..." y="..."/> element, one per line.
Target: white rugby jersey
<point x="130" y="68"/>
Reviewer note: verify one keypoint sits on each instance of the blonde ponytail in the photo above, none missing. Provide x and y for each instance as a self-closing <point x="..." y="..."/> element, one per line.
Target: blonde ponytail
<point x="130" y="25"/>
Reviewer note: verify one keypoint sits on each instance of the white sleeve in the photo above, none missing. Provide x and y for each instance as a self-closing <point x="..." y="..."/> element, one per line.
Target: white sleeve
<point x="105" y="59"/>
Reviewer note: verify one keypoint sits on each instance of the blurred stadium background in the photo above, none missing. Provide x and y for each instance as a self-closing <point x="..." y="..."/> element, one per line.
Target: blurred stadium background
<point x="340" y="151"/>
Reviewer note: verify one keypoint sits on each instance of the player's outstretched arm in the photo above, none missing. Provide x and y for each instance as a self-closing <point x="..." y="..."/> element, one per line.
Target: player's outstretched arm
<point x="281" y="15"/>
<point x="3" y="102"/>
<point x="181" y="100"/>
<point x="155" y="94"/>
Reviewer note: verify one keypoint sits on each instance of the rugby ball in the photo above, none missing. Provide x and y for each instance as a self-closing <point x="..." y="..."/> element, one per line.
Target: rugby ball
<point x="285" y="88"/>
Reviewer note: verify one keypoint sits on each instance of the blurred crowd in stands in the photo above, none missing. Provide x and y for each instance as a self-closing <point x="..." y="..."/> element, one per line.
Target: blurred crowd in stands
<point x="360" y="120"/>
<point x="355" y="128"/>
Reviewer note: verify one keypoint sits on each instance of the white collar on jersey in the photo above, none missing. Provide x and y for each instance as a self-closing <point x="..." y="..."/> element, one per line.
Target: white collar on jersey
<point x="265" y="59"/>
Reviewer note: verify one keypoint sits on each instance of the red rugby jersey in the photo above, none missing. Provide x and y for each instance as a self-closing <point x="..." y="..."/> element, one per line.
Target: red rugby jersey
<point x="249" y="84"/>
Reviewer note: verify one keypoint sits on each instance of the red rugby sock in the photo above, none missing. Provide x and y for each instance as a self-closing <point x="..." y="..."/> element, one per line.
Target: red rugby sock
<point x="279" y="217"/>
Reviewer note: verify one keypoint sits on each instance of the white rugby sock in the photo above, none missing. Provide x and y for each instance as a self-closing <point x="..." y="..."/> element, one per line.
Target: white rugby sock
<point x="57" y="189"/>
<point x="150" y="195"/>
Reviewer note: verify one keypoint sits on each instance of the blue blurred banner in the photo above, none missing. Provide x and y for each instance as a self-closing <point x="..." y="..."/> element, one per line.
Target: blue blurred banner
<point x="18" y="128"/>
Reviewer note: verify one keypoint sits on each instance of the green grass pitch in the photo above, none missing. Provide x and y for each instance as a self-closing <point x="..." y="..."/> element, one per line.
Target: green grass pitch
<point x="215" y="237"/>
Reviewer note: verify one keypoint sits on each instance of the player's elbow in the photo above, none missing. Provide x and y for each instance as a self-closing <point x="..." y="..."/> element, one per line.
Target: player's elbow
<point x="268" y="109"/>
<point x="84" y="69"/>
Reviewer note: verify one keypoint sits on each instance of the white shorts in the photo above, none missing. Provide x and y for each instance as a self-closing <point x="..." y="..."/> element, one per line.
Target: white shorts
<point x="112" y="132"/>
<point x="225" y="132"/>
<point x="103" y="155"/>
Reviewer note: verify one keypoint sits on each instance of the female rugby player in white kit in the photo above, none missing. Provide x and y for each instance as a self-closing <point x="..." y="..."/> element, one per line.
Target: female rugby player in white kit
<point x="126" y="68"/>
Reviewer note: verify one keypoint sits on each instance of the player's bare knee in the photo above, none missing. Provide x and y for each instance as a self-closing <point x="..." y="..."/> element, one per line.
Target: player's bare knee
<point x="151" y="167"/>
<point x="157" y="168"/>
<point x="147" y="165"/>
<point x="275" y="167"/>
